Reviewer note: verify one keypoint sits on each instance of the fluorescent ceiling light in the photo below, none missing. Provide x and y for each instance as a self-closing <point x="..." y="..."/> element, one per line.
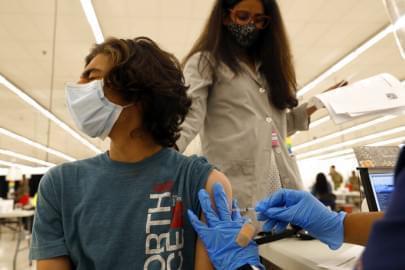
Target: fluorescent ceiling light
<point x="12" y="164"/>
<point x="92" y="19"/>
<point x="35" y="144"/>
<point x="346" y="60"/>
<point x="26" y="158"/>
<point x="333" y="154"/>
<point x="350" y="142"/>
<point x="36" y="170"/>
<point x="28" y="171"/>
<point x="346" y="131"/>
<point x="349" y="151"/>
<point x="398" y="141"/>
<point x="21" y="94"/>
<point x="345" y="156"/>
<point x="314" y="124"/>
<point x="320" y="121"/>
<point x="400" y="23"/>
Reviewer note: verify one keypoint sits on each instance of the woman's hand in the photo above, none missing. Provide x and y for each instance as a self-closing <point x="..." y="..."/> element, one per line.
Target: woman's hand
<point x="302" y="209"/>
<point x="312" y="109"/>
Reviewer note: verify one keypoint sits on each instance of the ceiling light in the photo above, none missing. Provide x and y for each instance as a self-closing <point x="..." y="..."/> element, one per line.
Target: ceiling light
<point x="351" y="142"/>
<point x="92" y="19"/>
<point x="396" y="12"/>
<point x="333" y="154"/>
<point x="35" y="144"/>
<point x="314" y="124"/>
<point x="346" y="60"/>
<point x="345" y="156"/>
<point x="349" y="151"/>
<point x="318" y="122"/>
<point x="28" y="171"/>
<point x="346" y="131"/>
<point x="21" y="94"/>
<point x="26" y="158"/>
<point x="398" y="141"/>
<point x="12" y="164"/>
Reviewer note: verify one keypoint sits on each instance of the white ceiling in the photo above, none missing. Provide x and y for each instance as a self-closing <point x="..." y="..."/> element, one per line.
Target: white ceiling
<point x="43" y="44"/>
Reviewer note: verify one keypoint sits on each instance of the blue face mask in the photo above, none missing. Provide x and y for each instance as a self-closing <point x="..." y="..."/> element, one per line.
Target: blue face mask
<point x="92" y="112"/>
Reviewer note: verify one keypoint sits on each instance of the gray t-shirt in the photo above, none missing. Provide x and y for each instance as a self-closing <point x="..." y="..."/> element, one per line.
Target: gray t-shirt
<point x="105" y="214"/>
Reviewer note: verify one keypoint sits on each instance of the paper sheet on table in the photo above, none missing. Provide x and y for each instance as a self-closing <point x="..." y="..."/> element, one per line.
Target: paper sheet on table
<point x="381" y="94"/>
<point x="344" y="261"/>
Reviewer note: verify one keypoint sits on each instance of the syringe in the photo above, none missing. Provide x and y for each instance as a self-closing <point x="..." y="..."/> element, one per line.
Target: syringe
<point x="244" y="209"/>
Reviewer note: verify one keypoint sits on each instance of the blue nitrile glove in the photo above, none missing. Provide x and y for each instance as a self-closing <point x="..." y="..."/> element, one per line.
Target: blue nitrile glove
<point x="304" y="210"/>
<point x="220" y="233"/>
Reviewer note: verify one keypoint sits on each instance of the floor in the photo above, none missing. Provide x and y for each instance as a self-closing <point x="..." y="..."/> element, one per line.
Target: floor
<point x="8" y="242"/>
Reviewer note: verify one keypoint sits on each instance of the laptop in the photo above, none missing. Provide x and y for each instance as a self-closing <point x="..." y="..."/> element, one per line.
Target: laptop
<point x="378" y="187"/>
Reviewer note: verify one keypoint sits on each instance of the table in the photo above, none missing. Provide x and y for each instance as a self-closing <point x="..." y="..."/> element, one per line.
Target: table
<point x="18" y="214"/>
<point x="295" y="254"/>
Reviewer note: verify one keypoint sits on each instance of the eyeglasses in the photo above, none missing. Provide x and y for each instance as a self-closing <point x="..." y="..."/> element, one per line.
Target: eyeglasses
<point x="244" y="17"/>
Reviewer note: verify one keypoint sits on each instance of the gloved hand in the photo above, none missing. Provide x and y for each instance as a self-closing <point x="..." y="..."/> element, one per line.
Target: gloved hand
<point x="304" y="210"/>
<point x="221" y="231"/>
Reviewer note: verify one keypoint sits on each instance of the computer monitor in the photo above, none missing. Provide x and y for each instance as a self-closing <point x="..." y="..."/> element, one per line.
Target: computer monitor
<point x="378" y="187"/>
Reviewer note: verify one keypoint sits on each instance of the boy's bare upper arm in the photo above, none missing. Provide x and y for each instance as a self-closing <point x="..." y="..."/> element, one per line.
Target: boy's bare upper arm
<point x="60" y="263"/>
<point x="202" y="261"/>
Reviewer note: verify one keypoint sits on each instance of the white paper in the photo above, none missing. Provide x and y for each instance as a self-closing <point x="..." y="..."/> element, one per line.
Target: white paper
<point x="381" y="94"/>
<point x="394" y="111"/>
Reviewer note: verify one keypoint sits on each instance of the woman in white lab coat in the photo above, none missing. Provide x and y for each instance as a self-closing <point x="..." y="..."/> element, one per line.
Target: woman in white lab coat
<point x="242" y="83"/>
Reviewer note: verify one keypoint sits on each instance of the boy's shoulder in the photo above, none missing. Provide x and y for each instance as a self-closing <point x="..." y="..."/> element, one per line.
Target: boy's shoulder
<point x="62" y="170"/>
<point x="92" y="161"/>
<point x="193" y="160"/>
<point x="195" y="169"/>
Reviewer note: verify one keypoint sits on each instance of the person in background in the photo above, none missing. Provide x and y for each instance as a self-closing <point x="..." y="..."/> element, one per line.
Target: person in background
<point x="243" y="86"/>
<point x="337" y="178"/>
<point x="322" y="190"/>
<point x="354" y="182"/>
<point x="22" y="193"/>
<point x="22" y="200"/>
<point x="123" y="209"/>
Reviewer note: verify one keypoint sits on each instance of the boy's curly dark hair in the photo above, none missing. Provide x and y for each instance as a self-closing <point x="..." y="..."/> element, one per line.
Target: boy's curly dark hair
<point x="151" y="77"/>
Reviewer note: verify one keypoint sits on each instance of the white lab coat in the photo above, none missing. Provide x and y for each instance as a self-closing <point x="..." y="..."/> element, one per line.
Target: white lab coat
<point x="235" y="120"/>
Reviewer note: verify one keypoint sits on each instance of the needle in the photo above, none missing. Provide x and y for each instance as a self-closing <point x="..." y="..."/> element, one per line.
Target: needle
<point x="243" y="210"/>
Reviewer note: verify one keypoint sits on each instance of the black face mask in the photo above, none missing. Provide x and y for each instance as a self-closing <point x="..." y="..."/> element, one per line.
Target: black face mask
<point x="244" y="35"/>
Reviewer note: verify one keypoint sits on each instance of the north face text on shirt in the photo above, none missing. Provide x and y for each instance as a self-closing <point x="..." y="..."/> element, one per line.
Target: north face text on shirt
<point x="164" y="231"/>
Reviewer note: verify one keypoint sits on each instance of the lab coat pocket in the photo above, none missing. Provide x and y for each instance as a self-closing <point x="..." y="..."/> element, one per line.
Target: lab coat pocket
<point x="248" y="168"/>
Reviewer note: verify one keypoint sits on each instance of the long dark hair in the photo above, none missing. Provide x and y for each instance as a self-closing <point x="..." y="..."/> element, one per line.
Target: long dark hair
<point x="272" y="50"/>
<point x="321" y="184"/>
<point x="145" y="74"/>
